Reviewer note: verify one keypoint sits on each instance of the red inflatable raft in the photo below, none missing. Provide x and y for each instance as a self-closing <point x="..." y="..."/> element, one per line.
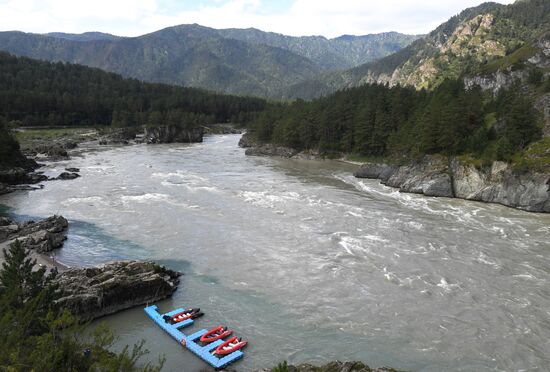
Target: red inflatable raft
<point x="215" y="334"/>
<point x="229" y="346"/>
<point x="187" y="314"/>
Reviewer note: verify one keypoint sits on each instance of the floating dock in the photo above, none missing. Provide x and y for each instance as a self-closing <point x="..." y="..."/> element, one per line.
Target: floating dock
<point x="191" y="341"/>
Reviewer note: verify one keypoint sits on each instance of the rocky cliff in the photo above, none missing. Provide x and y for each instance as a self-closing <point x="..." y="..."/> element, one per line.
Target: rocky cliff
<point x="94" y="292"/>
<point x="439" y="176"/>
<point x="173" y="134"/>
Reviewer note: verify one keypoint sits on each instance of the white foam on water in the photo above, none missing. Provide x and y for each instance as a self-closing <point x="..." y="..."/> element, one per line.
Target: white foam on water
<point x="190" y="181"/>
<point x="415" y="225"/>
<point x="527" y="276"/>
<point x="500" y="231"/>
<point x="484" y="259"/>
<point x="375" y="238"/>
<point x="144" y="198"/>
<point x="83" y="200"/>
<point x="355" y="214"/>
<point x="268" y="200"/>
<point x="447" y="287"/>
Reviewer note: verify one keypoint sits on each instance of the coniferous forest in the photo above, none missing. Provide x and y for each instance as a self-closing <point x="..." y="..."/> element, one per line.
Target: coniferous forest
<point x="377" y="120"/>
<point x="372" y="120"/>
<point x="35" y="93"/>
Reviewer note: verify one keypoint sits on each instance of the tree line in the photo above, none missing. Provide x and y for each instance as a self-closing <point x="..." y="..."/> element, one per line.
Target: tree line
<point x="35" y="93"/>
<point x="377" y="120"/>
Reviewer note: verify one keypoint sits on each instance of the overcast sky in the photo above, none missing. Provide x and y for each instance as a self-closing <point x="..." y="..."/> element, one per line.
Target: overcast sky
<point x="330" y="18"/>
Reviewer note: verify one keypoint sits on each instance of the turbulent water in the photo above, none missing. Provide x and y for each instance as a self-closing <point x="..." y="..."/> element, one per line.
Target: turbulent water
<point x="307" y="262"/>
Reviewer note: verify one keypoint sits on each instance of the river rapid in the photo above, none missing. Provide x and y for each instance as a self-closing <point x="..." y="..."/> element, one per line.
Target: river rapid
<point x="307" y="262"/>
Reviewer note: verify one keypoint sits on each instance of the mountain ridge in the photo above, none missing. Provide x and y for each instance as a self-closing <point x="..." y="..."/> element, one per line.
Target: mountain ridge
<point x="464" y="45"/>
<point x="232" y="61"/>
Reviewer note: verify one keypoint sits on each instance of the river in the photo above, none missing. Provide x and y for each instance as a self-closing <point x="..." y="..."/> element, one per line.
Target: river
<point x="307" y="262"/>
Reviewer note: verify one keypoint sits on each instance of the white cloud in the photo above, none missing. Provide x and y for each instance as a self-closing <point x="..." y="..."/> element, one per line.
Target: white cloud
<point x="304" y="17"/>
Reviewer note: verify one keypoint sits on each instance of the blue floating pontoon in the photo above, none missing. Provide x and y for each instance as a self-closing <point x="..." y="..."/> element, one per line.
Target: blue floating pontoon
<point x="190" y="342"/>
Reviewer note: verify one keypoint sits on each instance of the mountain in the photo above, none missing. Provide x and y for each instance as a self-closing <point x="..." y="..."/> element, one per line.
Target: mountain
<point x="248" y="62"/>
<point x="329" y="54"/>
<point x="479" y="40"/>
<point x="86" y="36"/>
<point x="35" y="93"/>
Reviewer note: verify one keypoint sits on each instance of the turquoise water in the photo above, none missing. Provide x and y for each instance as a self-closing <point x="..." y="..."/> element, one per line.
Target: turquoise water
<point x="307" y="262"/>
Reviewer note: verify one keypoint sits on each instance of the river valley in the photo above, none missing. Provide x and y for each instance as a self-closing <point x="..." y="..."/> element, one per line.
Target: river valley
<point x="307" y="262"/>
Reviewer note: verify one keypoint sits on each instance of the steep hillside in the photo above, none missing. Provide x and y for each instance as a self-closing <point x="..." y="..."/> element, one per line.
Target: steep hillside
<point x="330" y="54"/>
<point x="248" y="62"/>
<point x="34" y="93"/>
<point x="178" y="55"/>
<point x="477" y="41"/>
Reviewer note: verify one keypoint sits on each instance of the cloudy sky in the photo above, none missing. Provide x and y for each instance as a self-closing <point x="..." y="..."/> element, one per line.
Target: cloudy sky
<point x="293" y="17"/>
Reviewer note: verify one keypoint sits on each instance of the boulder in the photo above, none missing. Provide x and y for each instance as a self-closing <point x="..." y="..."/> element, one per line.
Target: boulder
<point x="67" y="176"/>
<point x="173" y="134"/>
<point x="94" y="292"/>
<point x="45" y="235"/>
<point x="73" y="170"/>
<point x="53" y="151"/>
<point x="69" y="145"/>
<point x="338" y="367"/>
<point x="13" y="175"/>
<point x="8" y="230"/>
<point x="42" y="236"/>
<point x="35" y="177"/>
<point x="247" y="141"/>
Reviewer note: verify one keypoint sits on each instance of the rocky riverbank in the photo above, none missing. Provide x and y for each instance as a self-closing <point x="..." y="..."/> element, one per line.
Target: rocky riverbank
<point x="173" y="134"/>
<point x="90" y="292"/>
<point x="335" y="366"/>
<point x="439" y="176"/>
<point x="255" y="148"/>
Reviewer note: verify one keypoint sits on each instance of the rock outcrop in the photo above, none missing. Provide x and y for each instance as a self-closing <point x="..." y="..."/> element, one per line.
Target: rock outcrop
<point x="94" y="292"/>
<point x="51" y="152"/>
<point x="42" y="236"/>
<point x="336" y="367"/>
<point x="173" y="134"/>
<point x="247" y="141"/>
<point x="221" y="129"/>
<point x="271" y="150"/>
<point x="19" y="170"/>
<point x="67" y="176"/>
<point x="439" y="176"/>
<point x="255" y="148"/>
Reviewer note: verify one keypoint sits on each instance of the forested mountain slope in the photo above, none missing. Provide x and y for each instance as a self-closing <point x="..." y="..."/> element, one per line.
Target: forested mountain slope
<point x="478" y="41"/>
<point x="249" y="62"/>
<point x="43" y="93"/>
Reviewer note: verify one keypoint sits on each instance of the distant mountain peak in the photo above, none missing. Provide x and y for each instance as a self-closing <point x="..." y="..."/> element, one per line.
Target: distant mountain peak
<point x="86" y="36"/>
